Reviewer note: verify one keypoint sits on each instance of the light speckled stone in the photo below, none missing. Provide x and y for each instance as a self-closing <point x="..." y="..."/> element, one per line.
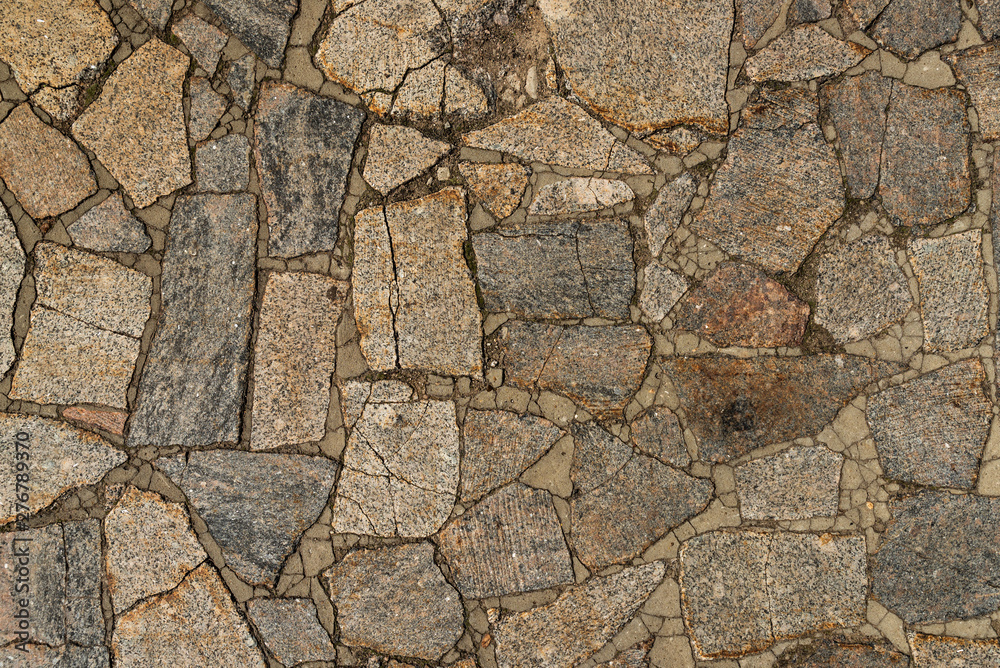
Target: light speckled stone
<point x="576" y="624"/>
<point x="136" y="127"/>
<point x="647" y="64"/>
<point x="798" y="483"/>
<point x="462" y="96"/>
<point x="61" y="458"/>
<point x="662" y="288"/>
<point x="197" y="621"/>
<point x="12" y="261"/>
<point x="223" y="166"/>
<point x="857" y="106"/>
<point x="578" y="194"/>
<point x="47" y="172"/>
<point x="156" y="12"/>
<point x="804" y="52"/>
<point x="946" y="652"/>
<point x="375" y="293"/>
<point x="355" y="395"/>
<point x="150" y="547"/>
<point x="110" y="421"/>
<point x="909" y="27"/>
<point x="291" y="630"/>
<point x="978" y="69"/>
<point x="658" y="434"/>
<point x="419" y="98"/>
<point x="207" y="108"/>
<point x="203" y="40"/>
<point x="110" y="227"/>
<point x="263" y="25"/>
<point x="680" y="141"/>
<point x="666" y="211"/>
<point x="953" y="295"/>
<point x="556" y="132"/>
<point x="295" y="358"/>
<point x="395" y="600"/>
<point x="754" y="17"/>
<point x="498" y="187"/>
<point x="989" y="18"/>
<point x="59" y="103"/>
<point x="396" y="154"/>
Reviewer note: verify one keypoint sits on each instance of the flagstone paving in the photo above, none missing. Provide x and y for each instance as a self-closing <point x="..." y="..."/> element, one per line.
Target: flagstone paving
<point x="508" y="333"/>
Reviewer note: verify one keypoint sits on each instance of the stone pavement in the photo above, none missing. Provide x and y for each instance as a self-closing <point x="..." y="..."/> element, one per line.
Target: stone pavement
<point x="499" y="333"/>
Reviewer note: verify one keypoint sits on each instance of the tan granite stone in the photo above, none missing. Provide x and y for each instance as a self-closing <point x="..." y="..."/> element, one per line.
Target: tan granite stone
<point x="948" y="652"/>
<point x="978" y="69"/>
<point x="203" y="40"/>
<point x="798" y="483"/>
<point x="110" y="227"/>
<point x="462" y="96"/>
<point x="59" y="103"/>
<point x="396" y="154"/>
<point x="375" y="293"/>
<point x="419" y="98"/>
<point x="579" y="194"/>
<point x="498" y="187"/>
<point x="754" y="17"/>
<point x="12" y="259"/>
<point x="804" y="52"/>
<point x="291" y="630"/>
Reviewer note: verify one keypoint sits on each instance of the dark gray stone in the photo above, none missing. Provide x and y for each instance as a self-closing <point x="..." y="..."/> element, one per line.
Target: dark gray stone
<point x="223" y="166"/>
<point x="207" y="106"/>
<point x="291" y="630"/>
<point x="110" y="227"/>
<point x="989" y="18"/>
<point x="241" y="80"/>
<point x="262" y="25"/>
<point x="827" y="654"/>
<point x="83" y="583"/>
<point x="910" y="27"/>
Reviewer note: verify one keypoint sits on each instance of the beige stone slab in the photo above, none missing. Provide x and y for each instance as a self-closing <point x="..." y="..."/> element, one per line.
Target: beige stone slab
<point x="373" y="281"/>
<point x="396" y="154"/>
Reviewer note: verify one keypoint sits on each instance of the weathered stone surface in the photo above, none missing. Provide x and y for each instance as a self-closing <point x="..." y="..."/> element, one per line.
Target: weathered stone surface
<point x="910" y="27"/>
<point x="953" y="295"/>
<point x="136" y="127"/>
<point x="64" y="656"/>
<point x="256" y="505"/>
<point x="804" y="52"/>
<point x="658" y="434"/>
<point x="666" y="211"/>
<point x="60" y="458"/>
<point x="557" y="132"/>
<point x="796" y="484"/>
<point x="203" y="40"/>
<point x="679" y="140"/>
<point x="606" y="528"/>
<point x="263" y="25"/>
<point x="110" y="227"/>
<point x="809" y="11"/>
<point x="372" y="45"/>
<point x="291" y="630"/>
<point x="66" y="361"/>
<point x="645" y="65"/>
<point x="374" y="293"/>
<point x="395" y="600"/>
<point x="207" y="108"/>
<point x="95" y="290"/>
<point x="355" y="395"/>
<point x="979" y="70"/>
<point x="150" y="547"/>
<point x="223" y="166"/>
<point x="400" y="470"/>
<point x="787" y="109"/>
<point x="857" y="106"/>
<point x="303" y="145"/>
<point x="241" y="80"/>
<point x="754" y="17"/>
<point x="576" y="624"/>
<point x="498" y="446"/>
<point x="578" y="194"/>
<point x="740" y="306"/>
<point x="989" y="18"/>
<point x="944" y="652"/>
<point x="12" y="260"/>
<point x="498" y="187"/>
<point x="826" y="654"/>
<point x="598" y="367"/>
<point x="661" y="289"/>
<point x="59" y="103"/>
<point x="54" y="42"/>
<point x="736" y="405"/>
<point x="197" y="621"/>
<point x="743" y="590"/>
<point x="925" y="162"/>
<point x="863" y="11"/>
<point x="931" y="430"/>
<point x="47" y="172"/>
<point x="156" y="12"/>
<point x="419" y="98"/>
<point x="396" y="154"/>
<point x="508" y="543"/>
<point x="110" y="421"/>
<point x="462" y="96"/>
<point x="957" y="539"/>
<point x="561" y="270"/>
<point x="208" y="278"/>
<point x="295" y="358"/>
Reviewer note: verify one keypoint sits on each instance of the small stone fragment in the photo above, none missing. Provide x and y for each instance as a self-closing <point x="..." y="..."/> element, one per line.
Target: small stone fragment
<point x="738" y="305"/>
<point x="396" y="154"/>
<point x="953" y="296"/>
<point x="680" y="140"/>
<point x="12" y="259"/>
<point x="576" y="624"/>
<point x="578" y="194"/>
<point x="857" y="106"/>
<point x="204" y="41"/>
<point x="207" y="108"/>
<point x="59" y="103"/>
<point x="944" y="652"/>
<point x="374" y="289"/>
<point x="804" y="52"/>
<point x="263" y="25"/>
<point x="395" y="600"/>
<point x="662" y="288"/>
<point x="910" y="27"/>
<point x="355" y="395"/>
<point x="111" y="421"/>
<point x="658" y="434"/>
<point x="47" y="172"/>
<point x="291" y="630"/>
<point x="754" y="17"/>
<point x="796" y="484"/>
<point x="303" y="147"/>
<point x="223" y="166"/>
<point x="110" y="227"/>
<point x="419" y="98"/>
<point x="499" y="187"/>
<point x="979" y="70"/>
<point x="156" y="12"/>
<point x="242" y="79"/>
<point x="462" y="96"/>
<point x="665" y="213"/>
<point x="826" y="654"/>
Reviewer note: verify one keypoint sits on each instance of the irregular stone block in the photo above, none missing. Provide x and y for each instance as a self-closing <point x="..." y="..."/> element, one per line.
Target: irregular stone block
<point x="804" y="52"/>
<point x="754" y="17"/>
<point x="263" y="25"/>
<point x="111" y="421"/>
<point x="645" y="65"/>
<point x="395" y="600"/>
<point x="864" y="11"/>
<point x="979" y="70"/>
<point x="396" y="154"/>
<point x="665" y="213"/>
<point x="419" y="98"/>
<point x="156" y="12"/>
<point x="355" y="395"/>
<point x="204" y="41"/>
<point x="576" y="624"/>
<point x="598" y="367"/>
<point x="303" y="145"/>
<point x="223" y="166"/>
<point x="291" y="630"/>
<point x="943" y="652"/>
<point x="110" y="227"/>
<point x="658" y="434"/>
<point x="661" y="289"/>
<point x="12" y="260"/>
<point x="796" y="484"/>
<point x="207" y="108"/>
<point x="136" y="127"/>
<point x="910" y="27"/>
<point x="498" y="187"/>
<point x="208" y="278"/>
<point x="462" y="96"/>
<point x="579" y="194"/>
<point x="789" y="109"/>
<point x="826" y="654"/>
<point x="374" y="290"/>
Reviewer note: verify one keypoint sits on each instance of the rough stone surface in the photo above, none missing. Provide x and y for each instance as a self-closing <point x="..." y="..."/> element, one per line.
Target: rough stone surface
<point x="804" y="52"/>
<point x="374" y="289"/>
<point x="738" y="305"/>
<point x="291" y="630"/>
<point x="241" y="79"/>
<point x="508" y="543"/>
<point x="826" y="654"/>
<point x="925" y="162"/>
<point x="680" y="140"/>
<point x="61" y="458"/>
<point x="979" y="70"/>
<point x="857" y="106"/>
<point x="863" y="12"/>
<point x="645" y="65"/>
<point x="958" y="541"/>
<point x="945" y="652"/>
<point x="989" y="18"/>
<point x="395" y="600"/>
<point x="598" y="367"/>
<point x="110" y="227"/>
<point x="662" y="288"/>
<point x="931" y="430"/>
<point x="754" y="17"/>
<point x="576" y="624"/>
<point x="12" y="261"/>
<point x="396" y="154"/>
<point x="499" y="446"/>
<point x="665" y="213"/>
<point x="419" y="98"/>
<point x="734" y="406"/>
<point x="256" y="505"/>
<point x="47" y="172"/>
<point x="136" y="127"/>
<point x="263" y="25"/>
<point x="953" y="297"/>
<point x="110" y="421"/>
<point x="303" y="145"/>
<point x="561" y="270"/>
<point x="223" y="166"/>
<point x="658" y="434"/>
<point x="204" y="41"/>
<point x="462" y="96"/>
<point x="207" y="108"/>
<point x="798" y="483"/>
<point x="910" y="27"/>
<point x="295" y="358"/>
<point x="208" y="278"/>
<point x="809" y="11"/>
<point x="197" y="621"/>
<point x="604" y="528"/>
<point x="156" y="12"/>
<point x="578" y="194"/>
<point x="59" y="103"/>
<point x="498" y="187"/>
<point x="556" y="132"/>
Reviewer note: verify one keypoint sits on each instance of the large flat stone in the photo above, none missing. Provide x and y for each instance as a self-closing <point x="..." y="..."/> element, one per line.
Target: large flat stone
<point x="498" y="187"/>
<point x="223" y="166"/>
<point x="12" y="261"/>
<point x="263" y="25"/>
<point x="664" y="215"/>
<point x="910" y="27"/>
<point x="136" y="127"/>
<point x="396" y="154"/>
<point x="827" y="654"/>
<point x="110" y="227"/>
<point x="291" y="630"/>
<point x="208" y="278"/>
<point x="796" y="484"/>
<point x="804" y="52"/>
<point x="979" y="70"/>
<point x="303" y="146"/>
<point x="857" y="107"/>
<point x="944" y="652"/>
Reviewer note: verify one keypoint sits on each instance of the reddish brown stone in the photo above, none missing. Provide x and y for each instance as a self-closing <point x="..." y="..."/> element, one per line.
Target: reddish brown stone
<point x="740" y="306"/>
<point x="910" y="27"/>
<point x="857" y="106"/>
<point x="826" y="654"/>
<point x="111" y="421"/>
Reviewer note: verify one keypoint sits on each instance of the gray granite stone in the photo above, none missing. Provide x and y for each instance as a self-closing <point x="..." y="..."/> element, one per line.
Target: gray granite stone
<point x="857" y="106"/>
<point x="355" y="395"/>
<point x="827" y="654"/>
<point x="946" y="652"/>
<point x="796" y="484"/>
<point x="658" y="434"/>
<point x="661" y="289"/>
<point x="787" y="109"/>
<point x="978" y="69"/>
<point x="110" y="227"/>
<point x="207" y="108"/>
<point x="579" y="194"/>
<point x="989" y="18"/>
<point x="208" y="278"/>
<point x="303" y="146"/>
<point x="64" y="656"/>
<point x="665" y="213"/>
<point x="754" y="17"/>
<point x="256" y="505"/>
<point x="83" y="584"/>
<point x="242" y="79"/>
<point x="223" y="165"/>
<point x="263" y="25"/>
<point x="498" y="187"/>
<point x="804" y="52"/>
<point x="156" y="12"/>
<point x="203" y="40"/>
<point x="395" y="600"/>
<point x="12" y="259"/>
<point x="396" y="154"/>
<point x="957" y="540"/>
<point x="291" y="630"/>
<point x="910" y="27"/>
